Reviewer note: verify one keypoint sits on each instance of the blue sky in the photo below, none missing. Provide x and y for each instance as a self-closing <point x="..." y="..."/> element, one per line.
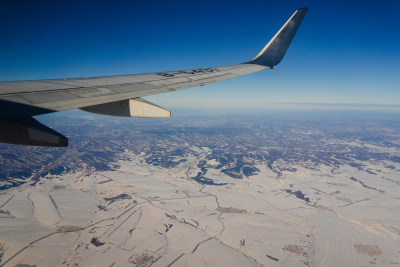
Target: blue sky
<point x="345" y="51"/>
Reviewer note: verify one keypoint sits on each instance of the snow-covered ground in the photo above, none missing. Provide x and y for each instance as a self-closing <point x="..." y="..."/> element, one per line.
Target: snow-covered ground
<point x="145" y="215"/>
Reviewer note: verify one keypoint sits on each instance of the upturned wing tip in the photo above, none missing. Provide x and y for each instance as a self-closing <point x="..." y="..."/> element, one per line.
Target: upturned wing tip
<point x="276" y="48"/>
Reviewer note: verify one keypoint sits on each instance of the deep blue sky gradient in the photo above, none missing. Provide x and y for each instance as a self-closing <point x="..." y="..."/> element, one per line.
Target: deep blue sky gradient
<point x="344" y="52"/>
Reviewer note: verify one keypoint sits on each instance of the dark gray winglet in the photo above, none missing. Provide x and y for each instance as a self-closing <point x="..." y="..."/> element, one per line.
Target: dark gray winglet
<point x="276" y="48"/>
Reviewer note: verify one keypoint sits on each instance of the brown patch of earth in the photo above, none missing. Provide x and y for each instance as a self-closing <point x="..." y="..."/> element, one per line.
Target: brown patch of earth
<point x="141" y="259"/>
<point x="68" y="228"/>
<point x="368" y="249"/>
<point x="294" y="249"/>
<point x="231" y="210"/>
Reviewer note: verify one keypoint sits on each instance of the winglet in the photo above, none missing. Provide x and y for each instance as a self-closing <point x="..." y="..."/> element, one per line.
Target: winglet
<point x="276" y="48"/>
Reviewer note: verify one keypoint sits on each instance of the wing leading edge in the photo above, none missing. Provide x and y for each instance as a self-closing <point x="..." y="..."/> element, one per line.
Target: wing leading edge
<point x="20" y="100"/>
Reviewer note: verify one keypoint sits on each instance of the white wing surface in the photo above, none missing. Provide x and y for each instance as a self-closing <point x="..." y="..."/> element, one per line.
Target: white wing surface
<point x="116" y="95"/>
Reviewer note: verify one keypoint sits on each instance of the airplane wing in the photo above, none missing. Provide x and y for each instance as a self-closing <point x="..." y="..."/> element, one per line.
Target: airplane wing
<point x="117" y="95"/>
